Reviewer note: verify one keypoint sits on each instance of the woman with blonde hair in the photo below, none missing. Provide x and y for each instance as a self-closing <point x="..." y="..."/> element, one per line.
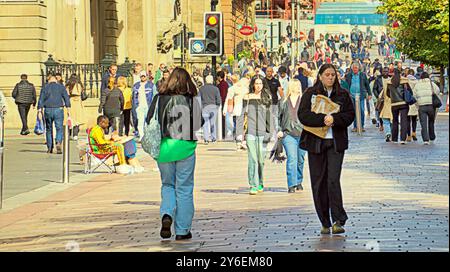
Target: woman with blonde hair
<point x="290" y="130"/>
<point x="125" y="117"/>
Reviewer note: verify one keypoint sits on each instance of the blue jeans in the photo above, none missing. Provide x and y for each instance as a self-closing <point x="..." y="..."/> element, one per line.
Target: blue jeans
<point x="53" y="115"/>
<point x="229" y="125"/>
<point x="295" y="160"/>
<point x="387" y="127"/>
<point x="209" y="114"/>
<point x="361" y="103"/>
<point x="256" y="156"/>
<point x="177" y="189"/>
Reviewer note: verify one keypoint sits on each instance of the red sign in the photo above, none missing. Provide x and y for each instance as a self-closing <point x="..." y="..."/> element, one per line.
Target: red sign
<point x="302" y="36"/>
<point x="246" y="30"/>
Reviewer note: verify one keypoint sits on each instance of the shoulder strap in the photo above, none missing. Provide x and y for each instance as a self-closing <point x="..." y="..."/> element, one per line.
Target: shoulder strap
<point x="192" y="118"/>
<point x="432" y="88"/>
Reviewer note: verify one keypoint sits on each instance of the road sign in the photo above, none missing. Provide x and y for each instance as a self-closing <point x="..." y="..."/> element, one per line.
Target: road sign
<point x="246" y="30"/>
<point x="302" y="36"/>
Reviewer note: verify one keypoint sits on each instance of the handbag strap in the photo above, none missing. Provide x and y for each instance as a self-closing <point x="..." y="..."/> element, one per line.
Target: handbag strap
<point x="155" y="114"/>
<point x="192" y="118"/>
<point x="432" y="88"/>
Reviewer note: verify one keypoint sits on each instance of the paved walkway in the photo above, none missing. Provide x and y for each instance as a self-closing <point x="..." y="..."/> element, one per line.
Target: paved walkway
<point x="396" y="198"/>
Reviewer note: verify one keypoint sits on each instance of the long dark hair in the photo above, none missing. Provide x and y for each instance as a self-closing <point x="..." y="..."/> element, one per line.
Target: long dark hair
<point x="72" y="82"/>
<point x="265" y="92"/>
<point x="179" y="83"/>
<point x="318" y="86"/>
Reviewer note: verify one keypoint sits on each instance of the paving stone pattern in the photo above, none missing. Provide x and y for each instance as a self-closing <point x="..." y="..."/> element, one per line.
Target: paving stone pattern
<point x="396" y="198"/>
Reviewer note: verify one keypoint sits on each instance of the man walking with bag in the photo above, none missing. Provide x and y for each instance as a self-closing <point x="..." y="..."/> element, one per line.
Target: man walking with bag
<point x="24" y="94"/>
<point x="53" y="99"/>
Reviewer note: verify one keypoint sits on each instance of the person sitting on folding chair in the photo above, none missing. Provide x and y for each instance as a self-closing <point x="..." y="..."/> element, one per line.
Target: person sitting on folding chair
<point x="126" y="151"/>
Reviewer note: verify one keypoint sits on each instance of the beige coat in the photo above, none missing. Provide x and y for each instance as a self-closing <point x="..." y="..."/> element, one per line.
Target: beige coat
<point x="76" y="107"/>
<point x="413" y="109"/>
<point x="386" y="112"/>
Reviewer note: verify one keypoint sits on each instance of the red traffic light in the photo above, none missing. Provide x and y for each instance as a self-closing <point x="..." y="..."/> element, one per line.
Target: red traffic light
<point x="212" y="20"/>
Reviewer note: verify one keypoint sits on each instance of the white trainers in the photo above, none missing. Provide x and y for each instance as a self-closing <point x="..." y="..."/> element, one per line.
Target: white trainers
<point x="124" y="169"/>
<point x="426" y="143"/>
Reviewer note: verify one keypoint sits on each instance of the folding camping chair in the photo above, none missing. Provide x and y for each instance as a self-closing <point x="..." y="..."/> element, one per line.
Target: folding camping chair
<point x="102" y="159"/>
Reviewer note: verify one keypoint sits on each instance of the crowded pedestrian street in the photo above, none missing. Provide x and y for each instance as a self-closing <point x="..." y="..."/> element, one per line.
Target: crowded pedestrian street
<point x="240" y="126"/>
<point x="396" y="199"/>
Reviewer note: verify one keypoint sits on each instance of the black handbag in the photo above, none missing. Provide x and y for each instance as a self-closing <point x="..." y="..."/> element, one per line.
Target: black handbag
<point x="436" y="101"/>
<point x="84" y="95"/>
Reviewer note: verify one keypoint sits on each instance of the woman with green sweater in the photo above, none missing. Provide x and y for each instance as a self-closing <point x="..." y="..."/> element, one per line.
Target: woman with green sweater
<point x="179" y="115"/>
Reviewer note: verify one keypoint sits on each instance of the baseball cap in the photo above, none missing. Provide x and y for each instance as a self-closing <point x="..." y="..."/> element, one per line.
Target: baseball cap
<point x="142" y="73"/>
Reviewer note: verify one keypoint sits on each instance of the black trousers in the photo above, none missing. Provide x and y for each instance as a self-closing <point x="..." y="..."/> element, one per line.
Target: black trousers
<point x="427" y="115"/>
<point x="412" y="124"/>
<point x="325" y="171"/>
<point x="125" y="122"/>
<point x="24" y="109"/>
<point x="402" y="112"/>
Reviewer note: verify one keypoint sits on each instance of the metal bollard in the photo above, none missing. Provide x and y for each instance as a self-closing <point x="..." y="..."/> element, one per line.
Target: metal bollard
<point x="2" y="141"/>
<point x="358" y="114"/>
<point x="66" y="144"/>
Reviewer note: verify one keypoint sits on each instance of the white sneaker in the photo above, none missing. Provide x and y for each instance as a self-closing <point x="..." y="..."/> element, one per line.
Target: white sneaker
<point x="426" y="143"/>
<point x="138" y="169"/>
<point x="402" y="142"/>
<point x="75" y="138"/>
<point x="124" y="169"/>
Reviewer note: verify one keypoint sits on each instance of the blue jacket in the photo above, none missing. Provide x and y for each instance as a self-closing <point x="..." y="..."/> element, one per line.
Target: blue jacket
<point x="363" y="82"/>
<point x="54" y="95"/>
<point x="149" y="89"/>
<point x="303" y="80"/>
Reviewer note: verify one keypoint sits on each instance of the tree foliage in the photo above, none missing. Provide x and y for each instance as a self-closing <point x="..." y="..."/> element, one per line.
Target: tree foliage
<point x="423" y="32"/>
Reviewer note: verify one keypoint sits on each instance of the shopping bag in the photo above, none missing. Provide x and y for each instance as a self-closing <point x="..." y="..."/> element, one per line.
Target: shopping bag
<point x="39" y="128"/>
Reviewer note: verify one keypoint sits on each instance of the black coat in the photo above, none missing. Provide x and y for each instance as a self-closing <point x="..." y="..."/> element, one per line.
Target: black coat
<point x="342" y="120"/>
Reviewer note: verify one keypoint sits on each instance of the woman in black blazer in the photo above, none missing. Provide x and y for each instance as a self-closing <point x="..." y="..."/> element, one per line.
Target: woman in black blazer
<point x="325" y="156"/>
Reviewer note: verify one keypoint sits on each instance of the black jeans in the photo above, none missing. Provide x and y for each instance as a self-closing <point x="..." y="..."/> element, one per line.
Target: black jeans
<point x="412" y="124"/>
<point x="125" y="121"/>
<point x="24" y="109"/>
<point x="427" y="115"/>
<point x="325" y="171"/>
<point x="74" y="131"/>
<point x="402" y="112"/>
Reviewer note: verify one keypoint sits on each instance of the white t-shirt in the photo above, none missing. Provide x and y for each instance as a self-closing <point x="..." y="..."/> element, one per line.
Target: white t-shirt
<point x="142" y="98"/>
<point x="330" y="130"/>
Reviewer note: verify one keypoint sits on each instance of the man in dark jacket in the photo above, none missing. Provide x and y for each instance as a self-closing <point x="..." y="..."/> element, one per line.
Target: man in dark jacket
<point x="210" y="96"/>
<point x="53" y="99"/>
<point x="377" y="66"/>
<point x="112" y="72"/>
<point x="223" y="88"/>
<point x="302" y="78"/>
<point x="304" y="56"/>
<point x="358" y="84"/>
<point x="24" y="94"/>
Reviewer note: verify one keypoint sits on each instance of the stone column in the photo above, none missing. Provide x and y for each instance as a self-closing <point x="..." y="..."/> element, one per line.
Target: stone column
<point x="150" y="32"/>
<point x="135" y="30"/>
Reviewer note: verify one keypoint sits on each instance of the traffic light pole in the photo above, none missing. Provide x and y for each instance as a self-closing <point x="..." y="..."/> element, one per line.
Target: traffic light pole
<point x="213" y="58"/>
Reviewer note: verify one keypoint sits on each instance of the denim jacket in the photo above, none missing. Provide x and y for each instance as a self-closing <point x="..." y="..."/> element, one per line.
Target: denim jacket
<point x="149" y="88"/>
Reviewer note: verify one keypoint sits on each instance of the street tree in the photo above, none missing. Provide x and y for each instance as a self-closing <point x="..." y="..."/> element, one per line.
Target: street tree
<point x="422" y="30"/>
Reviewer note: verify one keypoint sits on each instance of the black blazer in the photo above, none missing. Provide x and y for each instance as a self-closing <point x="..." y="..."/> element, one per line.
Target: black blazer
<point x="342" y="121"/>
